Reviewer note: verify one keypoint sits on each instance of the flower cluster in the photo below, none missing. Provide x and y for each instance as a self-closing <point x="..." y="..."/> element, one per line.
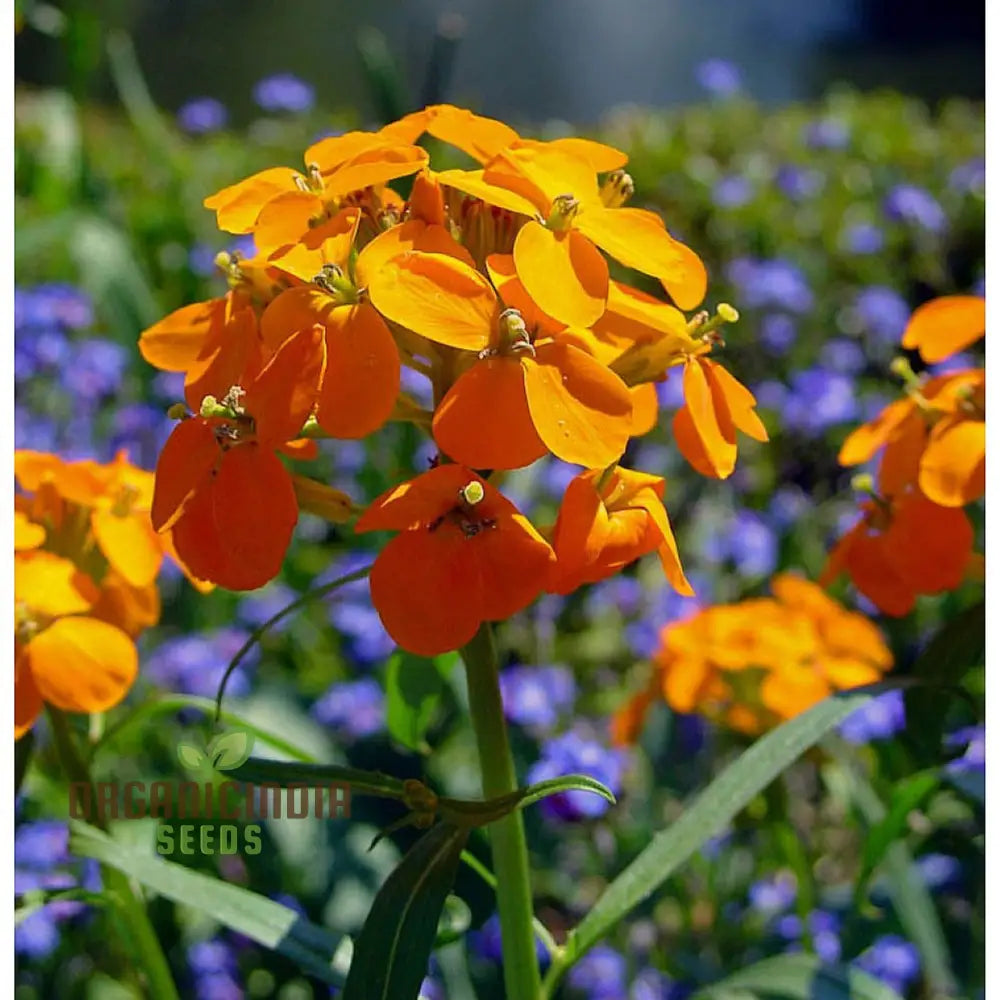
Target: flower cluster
<point x="491" y="288"/>
<point x="913" y="536"/>
<point x="756" y="663"/>
<point x="86" y="559"/>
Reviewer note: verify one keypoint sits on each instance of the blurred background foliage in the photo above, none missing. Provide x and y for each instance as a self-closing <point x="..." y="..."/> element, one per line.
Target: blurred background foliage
<point x="824" y="220"/>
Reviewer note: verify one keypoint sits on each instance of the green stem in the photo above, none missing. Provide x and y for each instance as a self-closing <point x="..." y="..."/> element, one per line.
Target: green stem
<point x="510" y="849"/>
<point x="135" y="922"/>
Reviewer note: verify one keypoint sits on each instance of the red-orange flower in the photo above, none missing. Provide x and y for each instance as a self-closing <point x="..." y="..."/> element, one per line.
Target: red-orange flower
<point x="523" y="395"/>
<point x="219" y="484"/>
<point x="902" y="547"/>
<point x="463" y="556"/>
<point x="606" y="522"/>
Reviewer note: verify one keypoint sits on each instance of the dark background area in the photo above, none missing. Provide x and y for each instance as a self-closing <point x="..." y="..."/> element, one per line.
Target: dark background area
<point x="529" y="60"/>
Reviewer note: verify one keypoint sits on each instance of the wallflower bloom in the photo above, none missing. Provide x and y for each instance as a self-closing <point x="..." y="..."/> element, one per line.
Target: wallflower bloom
<point x="607" y="522"/>
<point x="463" y="555"/>
<point x="219" y="483"/>
<point x="754" y="664"/>
<point x="902" y="547"/>
<point x="557" y="257"/>
<point x="525" y="393"/>
<point x="945" y="326"/>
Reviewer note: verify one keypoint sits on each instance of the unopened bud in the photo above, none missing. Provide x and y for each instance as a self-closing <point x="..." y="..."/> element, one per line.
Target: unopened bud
<point x="728" y="313"/>
<point x="177" y="411"/>
<point x="863" y="483"/>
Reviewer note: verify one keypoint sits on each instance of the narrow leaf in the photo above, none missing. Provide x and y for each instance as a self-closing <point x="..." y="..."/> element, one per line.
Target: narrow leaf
<point x="393" y="948"/>
<point x="278" y="772"/>
<point x="708" y="815"/>
<point x="265" y="921"/>
<point x="799" y="977"/>
<point x="906" y="796"/>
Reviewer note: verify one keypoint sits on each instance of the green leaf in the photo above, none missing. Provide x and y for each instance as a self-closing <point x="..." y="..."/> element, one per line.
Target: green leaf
<point x="707" y="816"/>
<point x="414" y="685"/>
<point x="278" y="772"/>
<point x="230" y="750"/>
<point x="958" y="647"/>
<point x="265" y="921"/>
<point x="392" y="950"/>
<point x="906" y="796"/>
<point x="456" y="918"/>
<point x="799" y="977"/>
<point x="911" y="900"/>
<point x="565" y="783"/>
<point x="190" y="756"/>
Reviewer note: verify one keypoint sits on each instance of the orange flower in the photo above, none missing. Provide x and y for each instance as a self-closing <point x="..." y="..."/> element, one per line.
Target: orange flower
<point x="360" y="381"/>
<point x="942" y="327"/>
<point x="62" y="655"/>
<point x="557" y="257"/>
<point x="756" y="663"/>
<point x="537" y="393"/>
<point x="219" y="484"/>
<point x="280" y="205"/>
<point x="606" y="522"/>
<point x="715" y="406"/>
<point x="935" y="438"/>
<point x="902" y="547"/>
<point x="463" y="555"/>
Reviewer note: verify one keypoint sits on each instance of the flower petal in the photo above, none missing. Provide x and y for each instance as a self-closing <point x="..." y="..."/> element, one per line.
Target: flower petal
<point x="174" y="343"/>
<point x="484" y="421"/>
<point x="27" y="534"/>
<point x="563" y="272"/>
<point x="361" y="381"/>
<point x="282" y="396"/>
<point x="953" y="466"/>
<point x="129" y="543"/>
<point x="862" y="443"/>
<point x="51" y="585"/>
<point x="440" y="298"/>
<point x="185" y="464"/>
<point x="411" y="235"/>
<point x="236" y="207"/>
<point x="638" y="239"/>
<point x="701" y="431"/>
<point x="739" y="401"/>
<point x="946" y="325"/>
<point x="581" y="410"/>
<point x="82" y="664"/>
<point x="27" y="700"/>
<point x="423" y="499"/>
<point x="427" y="589"/>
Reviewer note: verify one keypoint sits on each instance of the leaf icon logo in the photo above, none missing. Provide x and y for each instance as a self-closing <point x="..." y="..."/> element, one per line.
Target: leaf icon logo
<point x="230" y="750"/>
<point x="190" y="756"/>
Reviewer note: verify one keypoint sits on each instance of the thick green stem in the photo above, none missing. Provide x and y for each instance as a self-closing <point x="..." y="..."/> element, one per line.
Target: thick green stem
<point x="135" y="923"/>
<point x="510" y="850"/>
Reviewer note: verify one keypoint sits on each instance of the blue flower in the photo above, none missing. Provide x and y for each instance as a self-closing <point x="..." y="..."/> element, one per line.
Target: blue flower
<point x="915" y="206"/>
<point x="576" y="752"/>
<point x="883" y="313"/>
<point x="353" y="708"/>
<point x="842" y="355"/>
<point x="202" y="115"/>
<point x="214" y="970"/>
<point x="732" y="191"/>
<point x="939" y="871"/>
<point x="194" y="664"/>
<point x="284" y="92"/>
<point x="600" y="974"/>
<point x="880" y="719"/>
<point x="820" y="399"/>
<point x="777" y="332"/>
<point x="485" y="942"/>
<point x="969" y="177"/>
<point x="37" y="936"/>
<point x="650" y="984"/>
<point x="169" y="386"/>
<point x="417" y="385"/>
<point x="798" y="183"/>
<point x="773" y="894"/>
<point x="718" y="77"/>
<point x="770" y="283"/>
<point x="893" y="960"/>
<point x="753" y="545"/>
<point x="622" y="592"/>
<point x="788" y="505"/>
<point x="824" y="928"/>
<point x="973" y="758"/>
<point x="827" y="133"/>
<point x="670" y="392"/>
<point x="42" y="845"/>
<point x="262" y="605"/>
<point x="862" y="238"/>
<point x="96" y="369"/>
<point x="52" y="305"/>
<point x="956" y="363"/>
<point x="537" y="696"/>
